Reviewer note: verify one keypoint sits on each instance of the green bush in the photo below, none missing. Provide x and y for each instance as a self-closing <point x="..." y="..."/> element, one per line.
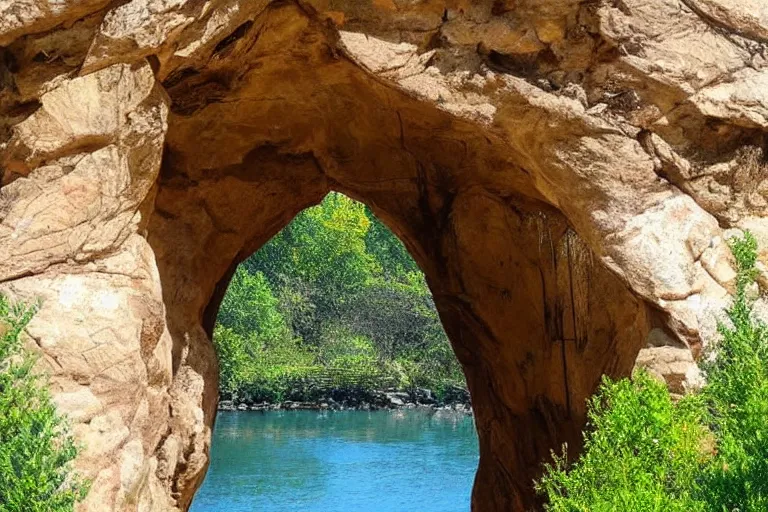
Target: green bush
<point x="736" y="397"/>
<point x="641" y="453"/>
<point x="36" y="449"/>
<point x="708" y="452"/>
<point x="254" y="369"/>
<point x="250" y="308"/>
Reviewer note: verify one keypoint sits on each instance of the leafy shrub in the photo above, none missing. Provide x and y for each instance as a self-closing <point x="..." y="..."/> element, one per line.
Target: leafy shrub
<point x="708" y="452"/>
<point x="36" y="450"/>
<point x="736" y="396"/>
<point x="641" y="453"/>
<point x="255" y="369"/>
<point x="250" y="308"/>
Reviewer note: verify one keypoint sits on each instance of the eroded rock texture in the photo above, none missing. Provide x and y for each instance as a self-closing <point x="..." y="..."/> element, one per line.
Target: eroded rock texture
<point x="564" y="171"/>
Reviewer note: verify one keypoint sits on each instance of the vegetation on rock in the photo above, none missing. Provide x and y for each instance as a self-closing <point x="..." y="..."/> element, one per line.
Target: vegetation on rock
<point x="334" y="301"/>
<point x="708" y="452"/>
<point x="36" y="449"/>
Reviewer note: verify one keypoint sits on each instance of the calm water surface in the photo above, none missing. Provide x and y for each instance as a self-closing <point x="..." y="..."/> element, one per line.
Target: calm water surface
<point x="349" y="461"/>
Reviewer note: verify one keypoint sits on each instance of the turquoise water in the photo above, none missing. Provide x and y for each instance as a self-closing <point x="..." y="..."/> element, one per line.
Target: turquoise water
<point x="345" y="461"/>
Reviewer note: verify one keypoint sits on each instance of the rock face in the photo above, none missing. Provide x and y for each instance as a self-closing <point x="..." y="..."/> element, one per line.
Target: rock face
<point x="565" y="172"/>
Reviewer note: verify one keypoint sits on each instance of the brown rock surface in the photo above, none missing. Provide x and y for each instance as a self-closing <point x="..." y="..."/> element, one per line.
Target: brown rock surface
<point x="565" y="173"/>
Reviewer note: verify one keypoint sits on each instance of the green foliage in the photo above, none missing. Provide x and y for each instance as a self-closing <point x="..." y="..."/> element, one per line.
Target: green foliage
<point x="250" y="308"/>
<point x="234" y="359"/>
<point x="342" y="348"/>
<point x="324" y="246"/>
<point x="36" y="450"/>
<point x="737" y="397"/>
<point x="337" y="290"/>
<point x="387" y="250"/>
<point x="641" y="453"/>
<point x="708" y="452"/>
<point x="255" y="369"/>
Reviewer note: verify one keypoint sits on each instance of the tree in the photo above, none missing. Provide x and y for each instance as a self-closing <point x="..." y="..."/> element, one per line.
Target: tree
<point x="388" y="251"/>
<point x="317" y="262"/>
<point x="324" y="246"/>
<point x="36" y="448"/>
<point x="250" y="309"/>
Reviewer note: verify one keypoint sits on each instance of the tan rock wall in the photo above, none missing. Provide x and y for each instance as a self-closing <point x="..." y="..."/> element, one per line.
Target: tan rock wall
<point x="565" y="173"/>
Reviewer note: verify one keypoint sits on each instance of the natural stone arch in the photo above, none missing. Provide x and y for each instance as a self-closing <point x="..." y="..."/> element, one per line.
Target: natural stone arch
<point x="524" y="336"/>
<point x="146" y="149"/>
<point x="521" y="296"/>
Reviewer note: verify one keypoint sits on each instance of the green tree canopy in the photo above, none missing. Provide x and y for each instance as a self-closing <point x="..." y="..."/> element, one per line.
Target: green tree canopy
<point x="340" y="290"/>
<point x="324" y="246"/>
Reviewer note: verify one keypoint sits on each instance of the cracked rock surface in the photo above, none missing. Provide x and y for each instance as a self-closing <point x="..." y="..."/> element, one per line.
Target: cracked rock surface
<point x="566" y="173"/>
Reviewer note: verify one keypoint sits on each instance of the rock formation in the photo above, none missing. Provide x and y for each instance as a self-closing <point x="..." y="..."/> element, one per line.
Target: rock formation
<point x="564" y="171"/>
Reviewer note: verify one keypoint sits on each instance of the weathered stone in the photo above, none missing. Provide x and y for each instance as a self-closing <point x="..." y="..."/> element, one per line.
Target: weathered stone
<point x="30" y="16"/>
<point x="565" y="173"/>
<point x="748" y="18"/>
<point x="674" y="367"/>
<point x="743" y="99"/>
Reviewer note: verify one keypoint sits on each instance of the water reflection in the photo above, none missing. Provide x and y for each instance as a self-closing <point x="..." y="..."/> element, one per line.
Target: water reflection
<point x="306" y="461"/>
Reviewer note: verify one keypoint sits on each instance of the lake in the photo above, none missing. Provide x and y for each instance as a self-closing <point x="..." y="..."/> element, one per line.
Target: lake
<point x="340" y="461"/>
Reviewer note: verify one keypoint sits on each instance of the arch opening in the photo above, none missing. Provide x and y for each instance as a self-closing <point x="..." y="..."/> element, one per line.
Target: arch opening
<point x="533" y="317"/>
<point x="334" y="292"/>
<point x="332" y="314"/>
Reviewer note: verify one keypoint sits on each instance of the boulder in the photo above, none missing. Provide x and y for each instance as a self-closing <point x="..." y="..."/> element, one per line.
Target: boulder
<point x="397" y="399"/>
<point x="423" y="396"/>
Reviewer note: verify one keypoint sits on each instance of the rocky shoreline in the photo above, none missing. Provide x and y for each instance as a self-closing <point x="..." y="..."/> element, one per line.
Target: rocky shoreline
<point x="337" y="400"/>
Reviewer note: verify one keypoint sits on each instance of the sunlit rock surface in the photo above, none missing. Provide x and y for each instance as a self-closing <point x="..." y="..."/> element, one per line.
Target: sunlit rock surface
<point x="565" y="172"/>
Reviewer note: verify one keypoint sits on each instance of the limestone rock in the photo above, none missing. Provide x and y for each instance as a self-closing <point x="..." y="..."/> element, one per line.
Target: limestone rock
<point x="742" y="99"/>
<point x="673" y="366"/>
<point x="28" y="16"/>
<point x="745" y="17"/>
<point x="86" y="160"/>
<point x="564" y="172"/>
